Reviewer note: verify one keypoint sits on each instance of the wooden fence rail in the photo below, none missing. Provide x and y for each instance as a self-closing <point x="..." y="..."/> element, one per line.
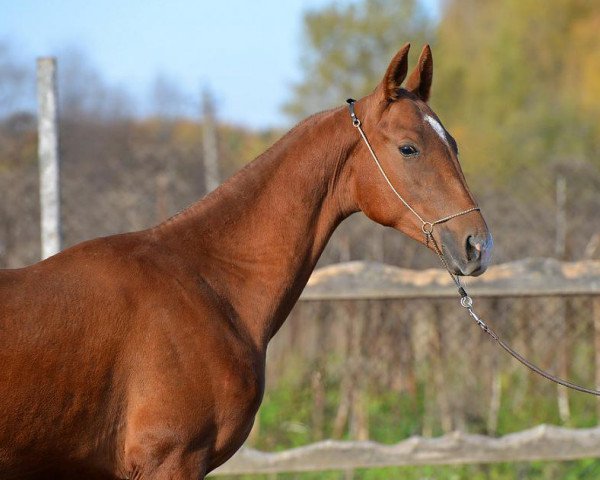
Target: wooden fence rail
<point x="529" y="277"/>
<point x="543" y="442"/>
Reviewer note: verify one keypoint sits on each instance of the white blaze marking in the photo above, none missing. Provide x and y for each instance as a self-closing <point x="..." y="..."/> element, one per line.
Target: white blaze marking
<point x="437" y="127"/>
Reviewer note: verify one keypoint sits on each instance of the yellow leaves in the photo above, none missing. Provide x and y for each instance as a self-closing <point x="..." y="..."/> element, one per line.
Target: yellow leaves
<point x="583" y="67"/>
<point x="521" y="80"/>
<point x="240" y="146"/>
<point x="186" y="132"/>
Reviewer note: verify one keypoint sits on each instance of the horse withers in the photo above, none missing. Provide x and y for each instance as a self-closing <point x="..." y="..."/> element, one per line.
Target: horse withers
<point x="142" y="355"/>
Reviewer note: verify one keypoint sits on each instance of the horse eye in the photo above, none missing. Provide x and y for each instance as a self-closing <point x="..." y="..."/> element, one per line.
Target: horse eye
<point x="408" y="151"/>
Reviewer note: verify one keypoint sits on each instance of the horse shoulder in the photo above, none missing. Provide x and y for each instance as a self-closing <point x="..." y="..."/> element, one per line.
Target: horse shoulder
<point x="193" y="383"/>
<point x="194" y="374"/>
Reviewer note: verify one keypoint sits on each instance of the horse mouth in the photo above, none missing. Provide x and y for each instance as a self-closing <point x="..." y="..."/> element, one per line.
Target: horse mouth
<point x="475" y="272"/>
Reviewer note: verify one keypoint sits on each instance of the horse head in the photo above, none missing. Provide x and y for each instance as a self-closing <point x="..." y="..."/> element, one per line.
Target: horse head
<point x="406" y="173"/>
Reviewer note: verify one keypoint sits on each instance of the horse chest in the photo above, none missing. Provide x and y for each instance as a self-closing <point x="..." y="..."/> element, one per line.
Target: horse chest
<point x="236" y="404"/>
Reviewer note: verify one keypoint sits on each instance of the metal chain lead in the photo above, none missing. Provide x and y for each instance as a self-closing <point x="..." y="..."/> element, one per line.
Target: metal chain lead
<point x="465" y="300"/>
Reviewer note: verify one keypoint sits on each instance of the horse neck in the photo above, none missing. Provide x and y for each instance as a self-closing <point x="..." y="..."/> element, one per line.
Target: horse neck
<point x="256" y="239"/>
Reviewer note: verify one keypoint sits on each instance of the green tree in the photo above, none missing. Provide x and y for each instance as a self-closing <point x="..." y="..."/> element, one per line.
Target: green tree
<point x="515" y="81"/>
<point x="347" y="49"/>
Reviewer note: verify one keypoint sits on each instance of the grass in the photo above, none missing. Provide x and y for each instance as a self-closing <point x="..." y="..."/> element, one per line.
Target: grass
<point x="286" y="413"/>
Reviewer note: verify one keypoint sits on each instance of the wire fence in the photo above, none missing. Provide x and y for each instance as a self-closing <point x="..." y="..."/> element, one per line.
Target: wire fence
<point x="364" y="358"/>
<point x="436" y="368"/>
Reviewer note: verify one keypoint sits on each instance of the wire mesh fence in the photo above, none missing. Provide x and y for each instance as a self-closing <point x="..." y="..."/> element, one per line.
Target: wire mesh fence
<point x="386" y="370"/>
<point x="392" y="370"/>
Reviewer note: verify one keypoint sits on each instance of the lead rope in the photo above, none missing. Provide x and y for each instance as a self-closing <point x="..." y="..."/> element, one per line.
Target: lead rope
<point x="465" y="300"/>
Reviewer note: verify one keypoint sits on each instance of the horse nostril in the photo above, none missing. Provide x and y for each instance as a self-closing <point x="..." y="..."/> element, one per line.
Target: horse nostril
<point x="474" y="247"/>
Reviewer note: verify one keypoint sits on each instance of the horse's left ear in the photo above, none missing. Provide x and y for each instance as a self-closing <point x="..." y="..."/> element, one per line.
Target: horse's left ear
<point x="395" y="74"/>
<point x="420" y="79"/>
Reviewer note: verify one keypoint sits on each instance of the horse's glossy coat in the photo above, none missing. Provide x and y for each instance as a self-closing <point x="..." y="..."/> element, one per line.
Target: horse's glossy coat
<point x="142" y="355"/>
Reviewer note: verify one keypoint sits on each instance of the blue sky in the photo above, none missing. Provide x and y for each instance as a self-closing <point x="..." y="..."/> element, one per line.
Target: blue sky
<point x="246" y="52"/>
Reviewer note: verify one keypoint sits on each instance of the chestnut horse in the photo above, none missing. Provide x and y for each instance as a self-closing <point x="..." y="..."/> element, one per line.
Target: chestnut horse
<point x="142" y="355"/>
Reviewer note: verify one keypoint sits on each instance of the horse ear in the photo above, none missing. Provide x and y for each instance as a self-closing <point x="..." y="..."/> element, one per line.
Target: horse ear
<point x="395" y="73"/>
<point x="420" y="79"/>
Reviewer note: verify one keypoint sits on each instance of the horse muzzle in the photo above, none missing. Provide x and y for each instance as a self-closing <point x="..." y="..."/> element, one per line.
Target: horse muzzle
<point x="469" y="255"/>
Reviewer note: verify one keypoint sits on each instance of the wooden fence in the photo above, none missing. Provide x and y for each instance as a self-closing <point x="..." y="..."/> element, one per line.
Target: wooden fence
<point x="535" y="277"/>
<point x="364" y="280"/>
<point x="543" y="442"/>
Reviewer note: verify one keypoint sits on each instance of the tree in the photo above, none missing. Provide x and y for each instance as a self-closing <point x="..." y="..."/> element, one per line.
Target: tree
<point x="167" y="99"/>
<point x="508" y="74"/>
<point x="15" y="80"/>
<point x="84" y="93"/>
<point x="348" y="48"/>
